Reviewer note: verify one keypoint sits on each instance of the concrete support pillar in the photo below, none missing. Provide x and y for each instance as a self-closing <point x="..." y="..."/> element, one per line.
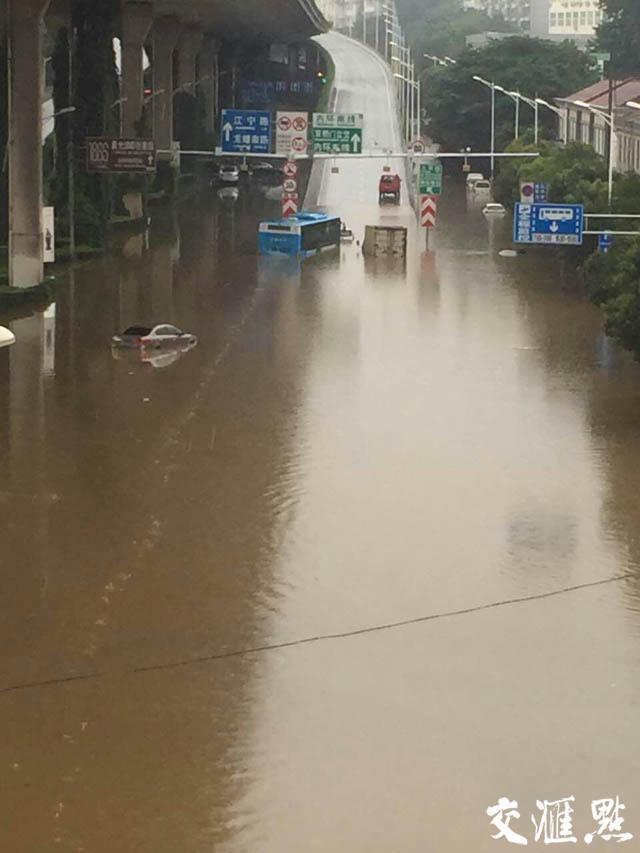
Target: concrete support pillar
<point x="236" y="58"/>
<point x="166" y="32"/>
<point x="209" y="56"/>
<point x="188" y="50"/>
<point x="293" y="61"/>
<point x="137" y="17"/>
<point x="25" y="141"/>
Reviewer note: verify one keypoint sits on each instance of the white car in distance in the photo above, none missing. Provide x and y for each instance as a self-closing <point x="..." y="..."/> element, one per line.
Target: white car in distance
<point x="153" y="337"/>
<point x="494" y="209"/>
<point x="229" y="173"/>
<point x="482" y="188"/>
<point x="472" y="178"/>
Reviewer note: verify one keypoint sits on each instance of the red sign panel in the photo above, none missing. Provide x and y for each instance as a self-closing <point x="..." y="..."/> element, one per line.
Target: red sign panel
<point x="289" y="206"/>
<point x="428" y="211"/>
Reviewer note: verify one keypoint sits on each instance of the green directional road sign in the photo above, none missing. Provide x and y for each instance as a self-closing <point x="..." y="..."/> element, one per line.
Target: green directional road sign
<point x="430" y="179"/>
<point x="337" y="133"/>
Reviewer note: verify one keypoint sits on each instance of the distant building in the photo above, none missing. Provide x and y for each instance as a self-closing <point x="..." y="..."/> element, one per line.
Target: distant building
<point x="557" y="20"/>
<point x="480" y="40"/>
<point x="514" y="12"/>
<point x="539" y="18"/>
<point x="584" y="125"/>
<point x="574" y="19"/>
<point x="328" y="9"/>
<point x="560" y="20"/>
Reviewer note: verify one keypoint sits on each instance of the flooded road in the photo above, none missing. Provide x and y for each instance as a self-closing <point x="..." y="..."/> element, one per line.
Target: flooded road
<point x="302" y="589"/>
<point x="361" y="563"/>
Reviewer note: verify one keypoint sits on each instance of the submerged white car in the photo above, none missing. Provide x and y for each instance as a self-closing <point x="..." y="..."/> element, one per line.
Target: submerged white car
<point x="229" y="173"/>
<point x="6" y="337"/>
<point x="494" y="209"/>
<point x="153" y="337"/>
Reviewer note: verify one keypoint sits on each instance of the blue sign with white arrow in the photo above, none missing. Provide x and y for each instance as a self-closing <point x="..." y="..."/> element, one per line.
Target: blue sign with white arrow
<point x="246" y="131"/>
<point x="605" y="242"/>
<point x="551" y="224"/>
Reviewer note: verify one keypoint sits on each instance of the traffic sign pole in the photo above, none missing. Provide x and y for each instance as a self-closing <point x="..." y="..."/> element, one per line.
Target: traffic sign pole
<point x="290" y="189"/>
<point x="428" y="214"/>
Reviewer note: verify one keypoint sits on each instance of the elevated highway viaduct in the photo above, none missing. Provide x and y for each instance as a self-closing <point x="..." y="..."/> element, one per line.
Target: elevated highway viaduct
<point x="191" y="30"/>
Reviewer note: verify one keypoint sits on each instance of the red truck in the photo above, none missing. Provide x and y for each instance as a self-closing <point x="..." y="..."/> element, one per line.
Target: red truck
<point x="389" y="189"/>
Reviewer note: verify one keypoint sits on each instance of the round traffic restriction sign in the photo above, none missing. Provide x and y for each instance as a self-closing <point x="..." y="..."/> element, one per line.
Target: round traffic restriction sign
<point x="289" y="186"/>
<point x="527" y="190"/>
<point x="418" y="146"/>
<point x="290" y="169"/>
<point x="300" y="123"/>
<point x="284" y="123"/>
<point x="299" y="144"/>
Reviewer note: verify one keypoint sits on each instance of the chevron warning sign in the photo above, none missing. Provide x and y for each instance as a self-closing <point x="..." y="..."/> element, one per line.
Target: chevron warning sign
<point x="289" y="204"/>
<point x="428" y="211"/>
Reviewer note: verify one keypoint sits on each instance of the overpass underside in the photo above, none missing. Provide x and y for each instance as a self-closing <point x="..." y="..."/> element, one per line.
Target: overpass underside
<point x="248" y="20"/>
<point x="193" y="29"/>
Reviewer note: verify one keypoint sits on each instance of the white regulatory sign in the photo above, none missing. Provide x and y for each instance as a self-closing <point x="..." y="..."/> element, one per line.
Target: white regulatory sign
<point x="292" y="132"/>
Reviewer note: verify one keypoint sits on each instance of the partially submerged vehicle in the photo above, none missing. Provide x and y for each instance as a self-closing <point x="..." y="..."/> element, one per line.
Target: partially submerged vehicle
<point x="389" y="188"/>
<point x="6" y="337"/>
<point x="162" y="336"/>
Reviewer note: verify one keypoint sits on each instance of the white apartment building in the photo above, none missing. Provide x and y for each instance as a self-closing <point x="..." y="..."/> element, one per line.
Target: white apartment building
<point x="574" y="18"/>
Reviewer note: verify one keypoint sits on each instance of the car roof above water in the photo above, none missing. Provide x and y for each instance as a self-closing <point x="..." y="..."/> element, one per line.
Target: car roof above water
<point x="137" y="331"/>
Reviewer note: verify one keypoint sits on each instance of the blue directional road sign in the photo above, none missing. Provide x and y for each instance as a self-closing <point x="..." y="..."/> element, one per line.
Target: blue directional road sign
<point x="556" y="224"/>
<point x="605" y="242"/>
<point x="246" y="131"/>
<point x="540" y="193"/>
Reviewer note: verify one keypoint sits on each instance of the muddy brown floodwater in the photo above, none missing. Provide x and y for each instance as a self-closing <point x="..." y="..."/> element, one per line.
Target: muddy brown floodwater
<point x="337" y="579"/>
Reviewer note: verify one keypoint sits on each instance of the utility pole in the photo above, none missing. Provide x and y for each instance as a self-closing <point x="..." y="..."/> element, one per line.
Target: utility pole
<point x="71" y="192"/>
<point x="493" y="130"/>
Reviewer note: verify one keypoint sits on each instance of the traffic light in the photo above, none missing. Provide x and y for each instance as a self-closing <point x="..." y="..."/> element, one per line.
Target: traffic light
<point x="322" y="77"/>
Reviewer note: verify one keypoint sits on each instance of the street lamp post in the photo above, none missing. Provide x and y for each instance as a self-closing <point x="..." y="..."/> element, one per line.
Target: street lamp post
<point x="439" y="60"/>
<point x="561" y="113"/>
<point x="533" y="103"/>
<point x="514" y="97"/>
<point x="492" y="87"/>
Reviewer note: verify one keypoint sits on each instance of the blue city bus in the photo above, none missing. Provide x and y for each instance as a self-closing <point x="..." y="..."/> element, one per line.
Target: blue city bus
<point x="304" y="234"/>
